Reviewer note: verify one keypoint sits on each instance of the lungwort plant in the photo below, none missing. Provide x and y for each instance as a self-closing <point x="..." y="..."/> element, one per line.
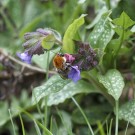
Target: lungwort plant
<point x="90" y="66"/>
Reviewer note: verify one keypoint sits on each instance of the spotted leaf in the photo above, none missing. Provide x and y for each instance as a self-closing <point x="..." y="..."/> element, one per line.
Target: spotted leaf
<point x="102" y="34"/>
<point x="58" y="90"/>
<point x="127" y="112"/>
<point x="113" y="82"/>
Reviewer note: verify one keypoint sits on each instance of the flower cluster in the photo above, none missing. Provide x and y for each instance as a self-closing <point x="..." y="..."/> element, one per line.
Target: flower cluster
<point x="33" y="44"/>
<point x="86" y="58"/>
<point x="68" y="66"/>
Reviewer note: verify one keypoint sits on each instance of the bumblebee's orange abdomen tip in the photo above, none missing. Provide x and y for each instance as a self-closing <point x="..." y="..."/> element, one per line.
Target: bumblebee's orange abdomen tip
<point x="58" y="62"/>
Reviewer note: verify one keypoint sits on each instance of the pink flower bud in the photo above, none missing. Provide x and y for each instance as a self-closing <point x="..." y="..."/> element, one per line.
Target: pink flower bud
<point x="69" y="58"/>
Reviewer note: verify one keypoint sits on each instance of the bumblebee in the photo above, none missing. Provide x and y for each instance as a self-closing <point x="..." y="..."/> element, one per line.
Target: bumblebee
<point x="59" y="62"/>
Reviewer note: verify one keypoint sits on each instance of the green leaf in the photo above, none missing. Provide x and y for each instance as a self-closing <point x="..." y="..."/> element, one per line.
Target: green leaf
<point x="102" y="34"/>
<point x="68" y="45"/>
<point x="124" y="21"/>
<point x="113" y="82"/>
<point x="48" y="42"/>
<point x="119" y="31"/>
<point x="52" y="38"/>
<point x="58" y="90"/>
<point x="56" y="34"/>
<point x="126" y="34"/>
<point x="127" y="112"/>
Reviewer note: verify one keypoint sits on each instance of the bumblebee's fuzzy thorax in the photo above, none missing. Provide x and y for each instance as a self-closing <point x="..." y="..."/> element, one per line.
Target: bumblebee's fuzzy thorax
<point x="59" y="62"/>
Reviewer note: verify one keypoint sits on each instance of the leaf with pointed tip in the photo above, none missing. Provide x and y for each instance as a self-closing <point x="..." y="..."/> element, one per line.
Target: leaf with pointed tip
<point x="127" y="112"/>
<point x="68" y="44"/>
<point x="102" y="34"/>
<point x="124" y="21"/>
<point x="58" y="90"/>
<point x="113" y="82"/>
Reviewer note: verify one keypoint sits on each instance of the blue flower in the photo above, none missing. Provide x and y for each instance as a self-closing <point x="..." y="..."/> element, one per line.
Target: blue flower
<point x="74" y="74"/>
<point x="25" y="57"/>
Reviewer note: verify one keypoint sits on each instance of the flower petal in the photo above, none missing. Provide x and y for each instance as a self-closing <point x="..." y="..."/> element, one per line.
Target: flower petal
<point x="69" y="58"/>
<point x="25" y="57"/>
<point x="43" y="31"/>
<point x="74" y="74"/>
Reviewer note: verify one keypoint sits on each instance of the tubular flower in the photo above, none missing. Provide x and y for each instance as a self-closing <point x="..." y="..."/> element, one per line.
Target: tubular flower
<point x="33" y="43"/>
<point x="25" y="57"/>
<point x="85" y="58"/>
<point x="74" y="73"/>
<point x="69" y="58"/>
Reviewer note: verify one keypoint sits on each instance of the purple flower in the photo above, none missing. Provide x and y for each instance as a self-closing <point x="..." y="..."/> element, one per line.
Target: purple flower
<point x="69" y="58"/>
<point x="74" y="74"/>
<point x="86" y="58"/>
<point x="44" y="31"/>
<point x="25" y="57"/>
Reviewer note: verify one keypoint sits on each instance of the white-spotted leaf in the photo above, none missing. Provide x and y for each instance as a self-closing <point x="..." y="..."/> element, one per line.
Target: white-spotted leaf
<point x="113" y="82"/>
<point x="97" y="18"/>
<point x="58" y="90"/>
<point x="102" y="34"/>
<point x="127" y="112"/>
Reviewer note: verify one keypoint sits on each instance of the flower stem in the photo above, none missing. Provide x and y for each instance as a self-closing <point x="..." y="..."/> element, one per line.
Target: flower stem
<point x="12" y="121"/>
<point x="92" y="133"/>
<point x="117" y="116"/>
<point x="47" y="69"/>
<point x="46" y="98"/>
<point x="121" y="39"/>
